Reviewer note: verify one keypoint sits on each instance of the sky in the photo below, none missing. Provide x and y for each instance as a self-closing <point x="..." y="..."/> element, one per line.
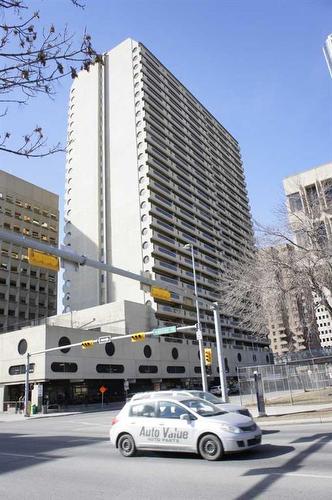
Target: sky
<point x="257" y="66"/>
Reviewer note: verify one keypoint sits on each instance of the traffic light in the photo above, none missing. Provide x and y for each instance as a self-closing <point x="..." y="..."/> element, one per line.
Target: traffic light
<point x="87" y="343"/>
<point x="138" y="337"/>
<point x="208" y="356"/>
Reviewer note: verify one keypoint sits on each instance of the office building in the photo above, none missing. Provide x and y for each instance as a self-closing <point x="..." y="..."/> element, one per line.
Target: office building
<point x="27" y="293"/>
<point x="310" y="192"/>
<point x="291" y="318"/>
<point x="149" y="171"/>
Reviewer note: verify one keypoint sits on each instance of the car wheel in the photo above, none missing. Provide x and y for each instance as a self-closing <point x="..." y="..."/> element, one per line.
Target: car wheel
<point x="210" y="447"/>
<point x="126" y="445"/>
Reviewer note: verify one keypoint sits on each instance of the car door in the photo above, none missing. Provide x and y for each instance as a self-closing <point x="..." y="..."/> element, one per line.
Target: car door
<point x="173" y="432"/>
<point x="141" y="423"/>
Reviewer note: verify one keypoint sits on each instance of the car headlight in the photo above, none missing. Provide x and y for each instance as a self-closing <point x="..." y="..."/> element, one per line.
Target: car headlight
<point x="230" y="428"/>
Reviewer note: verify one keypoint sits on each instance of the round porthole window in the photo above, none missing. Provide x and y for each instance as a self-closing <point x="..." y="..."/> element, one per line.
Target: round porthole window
<point x="62" y="342"/>
<point x="146" y="259"/>
<point x="145" y="245"/>
<point x="22" y="346"/>
<point x="109" y="349"/>
<point x="175" y="353"/>
<point x="147" y="351"/>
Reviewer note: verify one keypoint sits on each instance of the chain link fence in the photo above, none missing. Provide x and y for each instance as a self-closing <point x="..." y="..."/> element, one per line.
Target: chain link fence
<point x="306" y="383"/>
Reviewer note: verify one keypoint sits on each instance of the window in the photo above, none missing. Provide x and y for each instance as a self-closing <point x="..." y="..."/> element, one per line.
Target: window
<point x="22" y="346"/>
<point x="175" y="353"/>
<point x="148" y="369"/>
<point x="64" y="367"/>
<point x="168" y="409"/>
<point x="110" y="368"/>
<point x="176" y="369"/>
<point x="143" y="410"/>
<point x="20" y="369"/>
<point x="147" y="351"/>
<point x="295" y="203"/>
<point x="62" y="342"/>
<point x="109" y="349"/>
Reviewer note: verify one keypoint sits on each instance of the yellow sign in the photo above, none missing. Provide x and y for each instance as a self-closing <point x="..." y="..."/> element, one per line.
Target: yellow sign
<point x="45" y="260"/>
<point x="138" y="337"/>
<point x="87" y="343"/>
<point x="208" y="356"/>
<point x="160" y="293"/>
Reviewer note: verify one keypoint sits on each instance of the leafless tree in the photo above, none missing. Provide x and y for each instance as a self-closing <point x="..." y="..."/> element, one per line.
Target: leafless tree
<point x="33" y="58"/>
<point x="292" y="264"/>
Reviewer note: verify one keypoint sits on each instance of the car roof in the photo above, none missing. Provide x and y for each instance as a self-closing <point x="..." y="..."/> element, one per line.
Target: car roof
<point x="174" y="397"/>
<point x="156" y="394"/>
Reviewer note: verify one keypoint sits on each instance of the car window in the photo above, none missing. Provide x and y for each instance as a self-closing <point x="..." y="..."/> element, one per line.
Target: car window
<point x="203" y="408"/>
<point x="142" y="410"/>
<point x="208" y="397"/>
<point x="168" y="409"/>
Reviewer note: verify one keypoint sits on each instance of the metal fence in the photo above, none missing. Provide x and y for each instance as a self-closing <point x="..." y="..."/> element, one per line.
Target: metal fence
<point x="306" y="383"/>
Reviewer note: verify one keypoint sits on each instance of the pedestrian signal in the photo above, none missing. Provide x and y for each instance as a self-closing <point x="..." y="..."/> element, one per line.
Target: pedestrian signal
<point x="138" y="337"/>
<point x="208" y="356"/>
<point x="87" y="343"/>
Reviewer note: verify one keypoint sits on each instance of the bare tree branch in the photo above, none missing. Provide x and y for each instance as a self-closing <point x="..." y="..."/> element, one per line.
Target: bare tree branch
<point x="33" y="58"/>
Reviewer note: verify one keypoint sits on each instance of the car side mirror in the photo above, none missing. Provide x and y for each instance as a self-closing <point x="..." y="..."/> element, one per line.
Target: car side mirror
<point x="185" y="416"/>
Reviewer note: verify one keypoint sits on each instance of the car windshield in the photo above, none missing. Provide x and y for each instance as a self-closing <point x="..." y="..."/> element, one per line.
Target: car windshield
<point x="203" y="408"/>
<point x="207" y="396"/>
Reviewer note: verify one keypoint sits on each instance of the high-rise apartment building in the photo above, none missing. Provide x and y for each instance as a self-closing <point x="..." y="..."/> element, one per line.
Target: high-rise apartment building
<point x="310" y="192"/>
<point x="149" y="171"/>
<point x="26" y="293"/>
<point x="327" y="49"/>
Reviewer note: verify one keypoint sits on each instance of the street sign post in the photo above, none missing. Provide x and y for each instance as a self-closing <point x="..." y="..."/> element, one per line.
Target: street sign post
<point x="102" y="391"/>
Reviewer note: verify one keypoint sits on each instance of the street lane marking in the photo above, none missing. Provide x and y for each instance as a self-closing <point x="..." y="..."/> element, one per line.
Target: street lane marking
<point x="36" y="457"/>
<point x="295" y="474"/>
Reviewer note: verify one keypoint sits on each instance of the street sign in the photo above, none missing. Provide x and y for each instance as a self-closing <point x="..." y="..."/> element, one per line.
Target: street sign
<point x="199" y="336"/>
<point x="87" y="343"/>
<point x="104" y="340"/>
<point x="164" y="330"/>
<point x="160" y="293"/>
<point x="138" y="337"/>
<point x="102" y="389"/>
<point x="45" y="260"/>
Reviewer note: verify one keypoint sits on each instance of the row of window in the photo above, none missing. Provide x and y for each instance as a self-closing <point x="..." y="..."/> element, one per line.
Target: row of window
<point x="27" y="232"/>
<point x="100" y="368"/>
<point x="28" y="206"/>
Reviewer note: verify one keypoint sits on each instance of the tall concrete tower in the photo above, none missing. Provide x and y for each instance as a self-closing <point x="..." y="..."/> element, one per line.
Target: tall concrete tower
<point x="150" y="171"/>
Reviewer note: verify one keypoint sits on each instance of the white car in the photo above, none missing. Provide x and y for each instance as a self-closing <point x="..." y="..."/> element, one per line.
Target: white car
<point x="197" y="394"/>
<point x="182" y="424"/>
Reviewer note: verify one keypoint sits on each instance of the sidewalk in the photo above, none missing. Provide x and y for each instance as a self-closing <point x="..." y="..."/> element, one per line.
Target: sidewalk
<point x="19" y="417"/>
<point x="294" y="414"/>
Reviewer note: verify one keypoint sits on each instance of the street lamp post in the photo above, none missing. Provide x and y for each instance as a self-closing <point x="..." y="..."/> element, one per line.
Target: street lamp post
<point x="221" y="361"/>
<point x="199" y="333"/>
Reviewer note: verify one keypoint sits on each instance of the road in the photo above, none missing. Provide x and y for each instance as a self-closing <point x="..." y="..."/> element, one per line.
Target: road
<point x="69" y="457"/>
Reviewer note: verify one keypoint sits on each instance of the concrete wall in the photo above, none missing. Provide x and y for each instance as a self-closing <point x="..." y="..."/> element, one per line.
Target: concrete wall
<point x="82" y="197"/>
<point x="130" y="355"/>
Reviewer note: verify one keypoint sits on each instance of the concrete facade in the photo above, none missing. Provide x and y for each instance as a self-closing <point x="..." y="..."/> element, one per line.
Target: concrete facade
<point x="27" y="293"/>
<point x="73" y="375"/>
<point x="150" y="170"/>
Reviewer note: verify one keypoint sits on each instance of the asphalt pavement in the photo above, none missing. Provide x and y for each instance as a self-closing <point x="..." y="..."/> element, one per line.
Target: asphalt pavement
<point x="69" y="457"/>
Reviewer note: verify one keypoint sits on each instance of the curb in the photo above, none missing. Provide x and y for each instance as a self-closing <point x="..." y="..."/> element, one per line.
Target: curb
<point x="314" y="420"/>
